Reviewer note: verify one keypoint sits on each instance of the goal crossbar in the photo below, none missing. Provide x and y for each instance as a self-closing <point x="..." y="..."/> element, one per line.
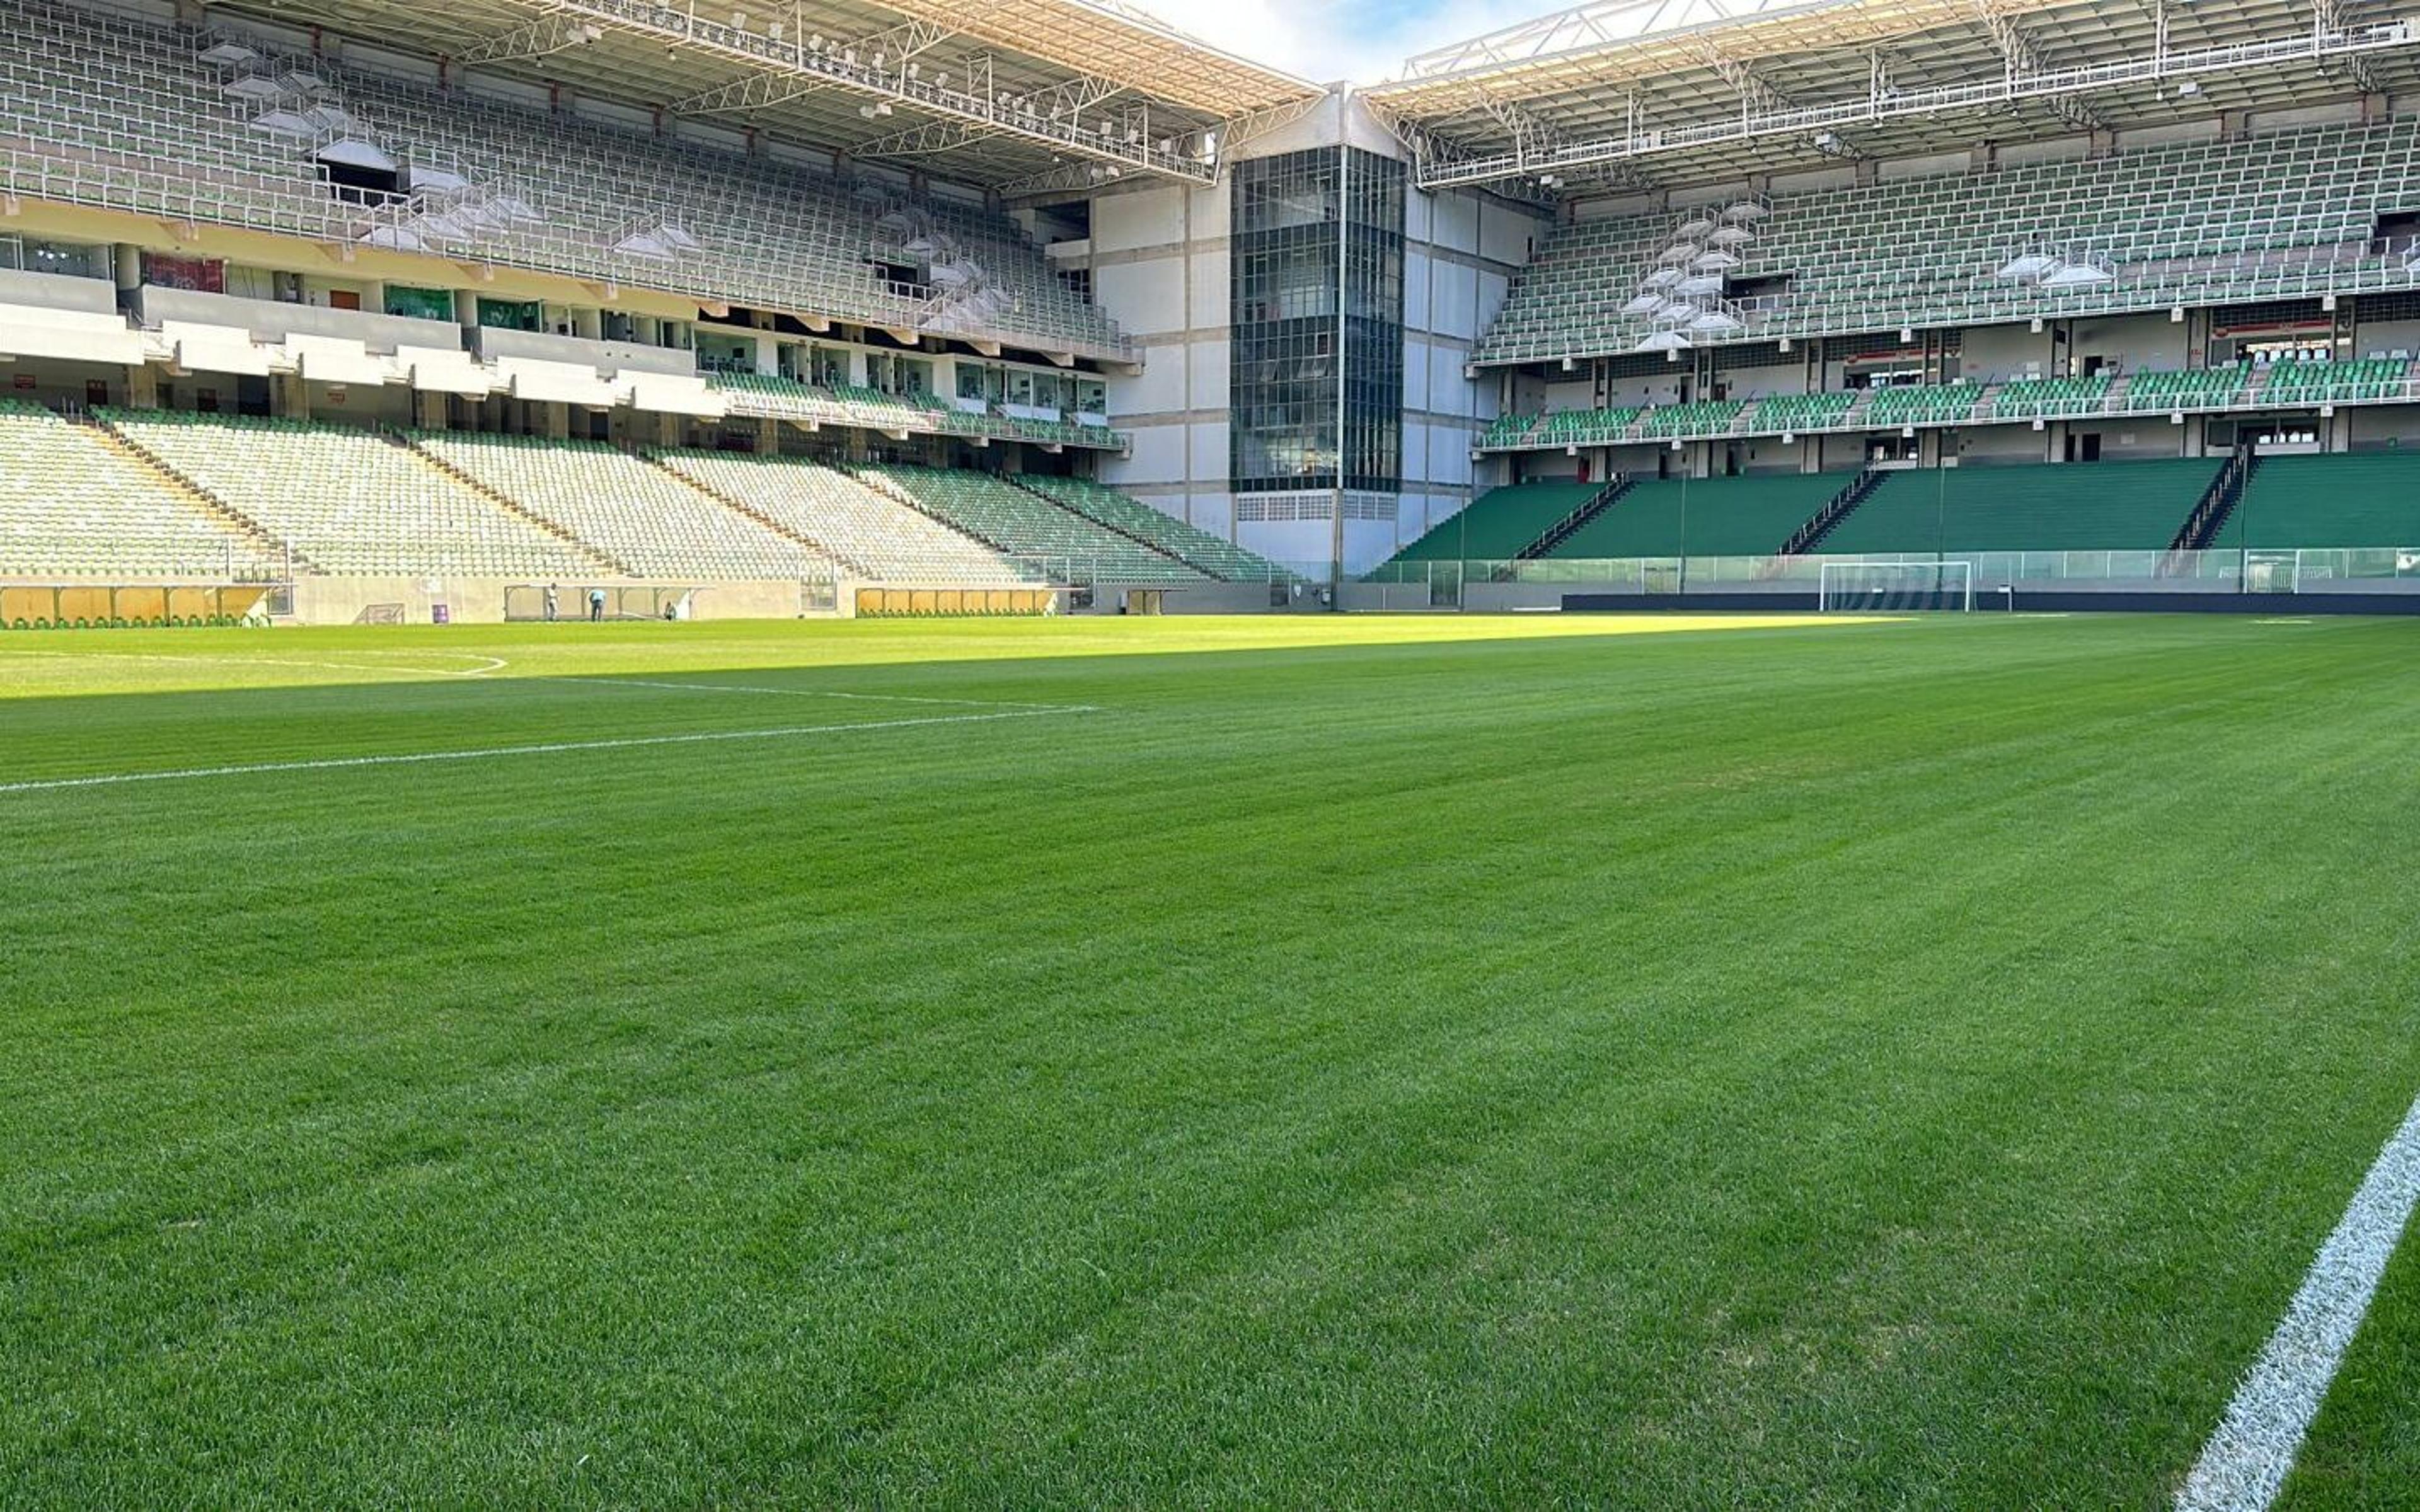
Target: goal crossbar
<point x="1898" y="586"/>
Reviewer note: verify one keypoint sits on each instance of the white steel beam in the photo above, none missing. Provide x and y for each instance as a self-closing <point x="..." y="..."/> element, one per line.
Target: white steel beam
<point x="2016" y="88"/>
<point x="901" y="43"/>
<point x="791" y="59"/>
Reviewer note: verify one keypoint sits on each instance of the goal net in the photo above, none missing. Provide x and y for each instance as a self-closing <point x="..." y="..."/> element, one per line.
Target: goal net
<point x="1899" y="586"/>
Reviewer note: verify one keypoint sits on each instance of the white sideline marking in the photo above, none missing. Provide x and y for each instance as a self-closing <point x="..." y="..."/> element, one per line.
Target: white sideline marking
<point x="491" y="664"/>
<point x="2245" y="1462"/>
<point x="818" y="693"/>
<point x="553" y="747"/>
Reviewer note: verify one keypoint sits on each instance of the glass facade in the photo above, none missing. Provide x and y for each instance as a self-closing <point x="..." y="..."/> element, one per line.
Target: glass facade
<point x="1316" y="365"/>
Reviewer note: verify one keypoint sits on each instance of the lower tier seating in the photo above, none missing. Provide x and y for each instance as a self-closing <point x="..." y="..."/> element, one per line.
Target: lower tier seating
<point x="1218" y="557"/>
<point x="1062" y="543"/>
<point x="876" y="535"/>
<point x="1499" y="523"/>
<point x="2354" y="499"/>
<point x="1705" y="516"/>
<point x="352" y="502"/>
<point x="2084" y="507"/>
<point x="638" y="515"/>
<point x="71" y="503"/>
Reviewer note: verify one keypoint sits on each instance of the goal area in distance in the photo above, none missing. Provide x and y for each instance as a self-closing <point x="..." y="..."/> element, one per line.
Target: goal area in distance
<point x="1900" y="586"/>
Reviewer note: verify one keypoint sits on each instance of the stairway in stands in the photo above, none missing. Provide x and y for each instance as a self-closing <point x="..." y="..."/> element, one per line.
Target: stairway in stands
<point x="189" y="492"/>
<point x="1837" y="508"/>
<point x="739" y="506"/>
<point x="2211" y="515"/>
<point x="1577" y="520"/>
<point x="508" y="504"/>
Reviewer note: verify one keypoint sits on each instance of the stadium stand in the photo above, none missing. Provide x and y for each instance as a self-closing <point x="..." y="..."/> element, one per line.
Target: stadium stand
<point x="1218" y="558"/>
<point x="2050" y="399"/>
<point x="2355" y="500"/>
<point x="106" y="110"/>
<point x="1702" y="417"/>
<point x="1500" y="523"/>
<point x="2294" y="382"/>
<point x="1748" y="517"/>
<point x="2196" y="388"/>
<point x="1803" y="412"/>
<point x="2264" y="217"/>
<point x="1506" y="430"/>
<point x="2101" y="506"/>
<point x="1026" y="526"/>
<point x="637" y="515"/>
<point x="871" y="534"/>
<point x="351" y="501"/>
<point x="1583" y="428"/>
<point x="1939" y="404"/>
<point x="73" y="502"/>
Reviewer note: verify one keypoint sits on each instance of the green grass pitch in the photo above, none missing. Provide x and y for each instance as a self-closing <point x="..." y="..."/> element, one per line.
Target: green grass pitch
<point x="1321" y="1063"/>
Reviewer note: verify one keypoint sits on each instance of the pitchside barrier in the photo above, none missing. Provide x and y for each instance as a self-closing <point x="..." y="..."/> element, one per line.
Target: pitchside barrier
<point x="1997" y="579"/>
<point x="143" y="606"/>
<point x="936" y="602"/>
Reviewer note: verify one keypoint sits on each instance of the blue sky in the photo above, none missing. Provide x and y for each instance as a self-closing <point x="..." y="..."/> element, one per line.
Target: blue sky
<point x="1325" y="40"/>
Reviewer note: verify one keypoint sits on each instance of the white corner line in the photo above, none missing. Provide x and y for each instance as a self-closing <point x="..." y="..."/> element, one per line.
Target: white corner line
<point x="2245" y="1462"/>
<point x="553" y="747"/>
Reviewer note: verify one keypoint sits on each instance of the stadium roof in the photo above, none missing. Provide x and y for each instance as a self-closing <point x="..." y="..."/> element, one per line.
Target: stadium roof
<point x="1633" y="92"/>
<point x="1018" y="94"/>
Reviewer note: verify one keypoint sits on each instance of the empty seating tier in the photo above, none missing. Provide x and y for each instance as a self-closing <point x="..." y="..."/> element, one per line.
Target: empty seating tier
<point x="1705" y="516"/>
<point x="2193" y="387"/>
<point x="2355" y="499"/>
<point x="2050" y="399"/>
<point x="638" y="515"/>
<point x="1936" y="404"/>
<point x="108" y="110"/>
<point x="1703" y="418"/>
<point x="1505" y="430"/>
<point x="1058" y="541"/>
<point x="2299" y="382"/>
<point x="352" y="502"/>
<point x="876" y="535"/>
<point x="71" y="503"/>
<point x="1499" y="523"/>
<point x="1584" y="427"/>
<point x="2268" y="216"/>
<point x="2082" y="506"/>
<point x="1804" y="411"/>
<point x="1221" y="557"/>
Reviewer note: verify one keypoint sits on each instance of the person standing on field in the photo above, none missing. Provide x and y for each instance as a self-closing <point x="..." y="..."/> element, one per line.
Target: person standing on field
<point x="596" y="605"/>
<point x="551" y="605"/>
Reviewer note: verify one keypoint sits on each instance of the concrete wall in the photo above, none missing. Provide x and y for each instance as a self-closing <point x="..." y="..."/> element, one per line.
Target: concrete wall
<point x="270" y="320"/>
<point x="481" y="600"/>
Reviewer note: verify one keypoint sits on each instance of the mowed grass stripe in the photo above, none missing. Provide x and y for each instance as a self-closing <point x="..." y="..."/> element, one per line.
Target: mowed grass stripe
<point x="1710" y="1079"/>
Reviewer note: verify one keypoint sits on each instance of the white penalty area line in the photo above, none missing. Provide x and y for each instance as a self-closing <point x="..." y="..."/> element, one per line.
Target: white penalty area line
<point x="2245" y="1462"/>
<point x="334" y="764"/>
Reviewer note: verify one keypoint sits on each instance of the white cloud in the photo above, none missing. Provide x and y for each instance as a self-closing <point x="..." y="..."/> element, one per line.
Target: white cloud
<point x="1360" y="41"/>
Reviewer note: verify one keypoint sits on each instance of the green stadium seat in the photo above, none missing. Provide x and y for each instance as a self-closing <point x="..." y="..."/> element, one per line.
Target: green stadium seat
<point x="1750" y="517"/>
<point x="2082" y="506"/>
<point x="2354" y="499"/>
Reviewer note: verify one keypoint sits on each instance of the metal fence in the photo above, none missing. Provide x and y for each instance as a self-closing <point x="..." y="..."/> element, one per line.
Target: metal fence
<point x="2227" y="571"/>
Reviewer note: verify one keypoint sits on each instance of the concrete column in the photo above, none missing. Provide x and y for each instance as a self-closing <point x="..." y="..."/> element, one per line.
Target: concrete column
<point x="142" y="386"/>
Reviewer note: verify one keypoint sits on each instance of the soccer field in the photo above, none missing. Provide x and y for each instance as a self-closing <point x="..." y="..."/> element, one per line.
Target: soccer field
<point x="1358" y="1062"/>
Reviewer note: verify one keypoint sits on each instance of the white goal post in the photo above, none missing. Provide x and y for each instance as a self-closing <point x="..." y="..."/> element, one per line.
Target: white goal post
<point x="1896" y="586"/>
